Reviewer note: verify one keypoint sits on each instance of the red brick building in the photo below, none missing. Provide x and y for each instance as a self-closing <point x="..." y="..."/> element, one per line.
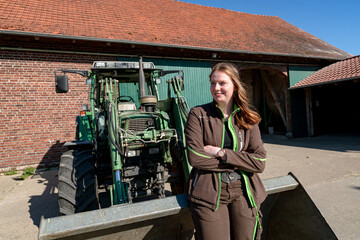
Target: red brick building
<point x="37" y="37"/>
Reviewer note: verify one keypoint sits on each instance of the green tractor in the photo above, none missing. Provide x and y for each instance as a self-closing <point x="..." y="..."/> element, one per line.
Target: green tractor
<point x="128" y="147"/>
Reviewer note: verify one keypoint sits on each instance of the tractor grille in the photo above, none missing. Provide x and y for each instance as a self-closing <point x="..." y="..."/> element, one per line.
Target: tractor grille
<point x="140" y="124"/>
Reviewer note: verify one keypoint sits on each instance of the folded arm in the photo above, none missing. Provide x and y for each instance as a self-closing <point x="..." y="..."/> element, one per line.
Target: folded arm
<point x="201" y="156"/>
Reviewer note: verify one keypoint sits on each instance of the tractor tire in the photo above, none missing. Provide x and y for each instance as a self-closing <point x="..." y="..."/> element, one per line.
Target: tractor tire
<point x="179" y="185"/>
<point x="77" y="182"/>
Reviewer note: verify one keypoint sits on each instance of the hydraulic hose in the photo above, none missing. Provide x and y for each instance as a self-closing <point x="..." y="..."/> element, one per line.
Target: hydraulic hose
<point x="114" y="142"/>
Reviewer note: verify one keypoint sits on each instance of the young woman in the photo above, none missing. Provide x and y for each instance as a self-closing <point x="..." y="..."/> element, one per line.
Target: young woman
<point x="226" y="152"/>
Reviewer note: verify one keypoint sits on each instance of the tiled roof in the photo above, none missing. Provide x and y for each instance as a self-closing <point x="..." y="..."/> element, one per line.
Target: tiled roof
<point x="163" y="22"/>
<point x="347" y="69"/>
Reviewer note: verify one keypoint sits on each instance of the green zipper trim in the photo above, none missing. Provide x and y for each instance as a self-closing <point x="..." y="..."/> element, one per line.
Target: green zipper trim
<point x="248" y="191"/>
<point x="233" y="133"/>
<point x="231" y="128"/>
<point x="199" y="154"/>
<point x="222" y="145"/>
<point x="223" y="135"/>
<point x="256" y="223"/>
<point x="218" y="200"/>
<point x="260" y="159"/>
<point x="252" y="201"/>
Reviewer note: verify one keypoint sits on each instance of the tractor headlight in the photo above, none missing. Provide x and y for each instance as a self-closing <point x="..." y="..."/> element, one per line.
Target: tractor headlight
<point x="123" y="65"/>
<point x="99" y="64"/>
<point x="154" y="150"/>
<point x="133" y="153"/>
<point x="148" y="65"/>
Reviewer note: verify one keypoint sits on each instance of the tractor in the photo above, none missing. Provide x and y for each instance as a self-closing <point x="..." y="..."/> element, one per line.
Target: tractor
<point x="129" y="143"/>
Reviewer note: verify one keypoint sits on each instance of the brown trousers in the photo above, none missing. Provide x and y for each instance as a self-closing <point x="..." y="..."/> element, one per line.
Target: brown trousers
<point x="234" y="219"/>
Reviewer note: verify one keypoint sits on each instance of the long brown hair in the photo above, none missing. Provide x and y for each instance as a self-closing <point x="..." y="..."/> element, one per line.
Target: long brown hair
<point x="246" y="116"/>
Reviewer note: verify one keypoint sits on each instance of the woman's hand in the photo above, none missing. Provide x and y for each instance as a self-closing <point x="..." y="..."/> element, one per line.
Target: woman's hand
<point x="211" y="150"/>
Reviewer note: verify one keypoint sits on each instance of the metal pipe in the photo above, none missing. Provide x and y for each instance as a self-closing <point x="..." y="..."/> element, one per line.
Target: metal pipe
<point x="142" y="90"/>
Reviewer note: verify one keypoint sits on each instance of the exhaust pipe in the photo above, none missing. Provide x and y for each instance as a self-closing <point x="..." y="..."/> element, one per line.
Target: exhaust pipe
<point x="147" y="102"/>
<point x="142" y="90"/>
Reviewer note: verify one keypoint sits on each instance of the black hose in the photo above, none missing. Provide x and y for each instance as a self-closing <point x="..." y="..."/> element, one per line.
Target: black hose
<point x="116" y="144"/>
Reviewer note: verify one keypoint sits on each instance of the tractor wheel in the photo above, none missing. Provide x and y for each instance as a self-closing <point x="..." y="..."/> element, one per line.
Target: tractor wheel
<point x="77" y="182"/>
<point x="179" y="185"/>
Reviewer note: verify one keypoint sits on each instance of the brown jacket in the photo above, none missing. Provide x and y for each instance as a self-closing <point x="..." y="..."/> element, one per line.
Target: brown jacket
<point x="205" y="126"/>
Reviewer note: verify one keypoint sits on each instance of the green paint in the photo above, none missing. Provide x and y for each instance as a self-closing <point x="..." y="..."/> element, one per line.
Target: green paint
<point x="197" y="84"/>
<point x="84" y="128"/>
<point x="298" y="73"/>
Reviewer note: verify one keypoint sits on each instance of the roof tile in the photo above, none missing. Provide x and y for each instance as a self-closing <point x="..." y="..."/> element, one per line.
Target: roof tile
<point x="340" y="71"/>
<point x="163" y="22"/>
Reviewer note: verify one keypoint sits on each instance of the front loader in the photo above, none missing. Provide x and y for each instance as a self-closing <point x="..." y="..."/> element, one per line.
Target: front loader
<point x="114" y="179"/>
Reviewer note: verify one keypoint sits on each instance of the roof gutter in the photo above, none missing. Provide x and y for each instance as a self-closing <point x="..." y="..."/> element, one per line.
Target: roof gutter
<point x="47" y="35"/>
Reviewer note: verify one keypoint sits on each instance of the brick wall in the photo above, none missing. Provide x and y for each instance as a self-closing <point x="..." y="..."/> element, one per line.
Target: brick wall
<point x="35" y="121"/>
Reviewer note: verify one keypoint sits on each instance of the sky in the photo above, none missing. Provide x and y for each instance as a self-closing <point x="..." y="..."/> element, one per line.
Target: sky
<point x="336" y="22"/>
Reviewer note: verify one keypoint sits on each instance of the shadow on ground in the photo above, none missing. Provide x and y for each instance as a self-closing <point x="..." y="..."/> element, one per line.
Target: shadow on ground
<point x="46" y="204"/>
<point x="336" y="142"/>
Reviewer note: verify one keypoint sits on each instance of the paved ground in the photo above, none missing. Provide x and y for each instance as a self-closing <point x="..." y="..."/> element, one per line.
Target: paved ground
<point x="23" y="203"/>
<point x="329" y="169"/>
<point x="327" y="166"/>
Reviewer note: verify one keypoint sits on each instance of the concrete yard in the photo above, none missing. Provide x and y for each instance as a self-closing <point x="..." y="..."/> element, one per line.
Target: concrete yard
<point x="329" y="169"/>
<point x="327" y="166"/>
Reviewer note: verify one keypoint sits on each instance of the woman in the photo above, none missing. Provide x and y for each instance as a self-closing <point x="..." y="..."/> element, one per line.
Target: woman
<point x="226" y="152"/>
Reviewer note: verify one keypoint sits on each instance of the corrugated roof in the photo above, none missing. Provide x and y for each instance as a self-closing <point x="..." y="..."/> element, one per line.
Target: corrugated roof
<point x="344" y="70"/>
<point x="162" y="22"/>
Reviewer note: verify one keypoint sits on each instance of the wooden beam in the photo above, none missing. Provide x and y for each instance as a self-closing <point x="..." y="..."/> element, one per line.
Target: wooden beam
<point x="276" y="99"/>
<point x="309" y="113"/>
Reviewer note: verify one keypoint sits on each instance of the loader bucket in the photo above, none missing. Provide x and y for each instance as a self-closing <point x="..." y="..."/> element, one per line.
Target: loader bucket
<point x="165" y="218"/>
<point x="288" y="211"/>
